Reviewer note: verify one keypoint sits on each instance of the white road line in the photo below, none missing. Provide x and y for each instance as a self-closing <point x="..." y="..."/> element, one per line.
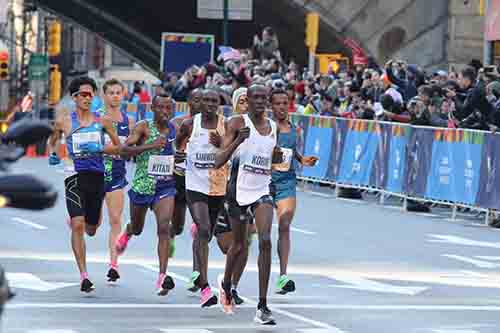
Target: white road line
<point x="187" y="330"/>
<point x="356" y="201"/>
<point x="318" y="330"/>
<point x="492" y="258"/>
<point x="52" y="331"/>
<point x="301" y="231"/>
<point x="276" y="306"/>
<point x="454" y="331"/>
<point x="461" y="241"/>
<point x="29" y="223"/>
<point x="475" y="262"/>
<point x="252" y="304"/>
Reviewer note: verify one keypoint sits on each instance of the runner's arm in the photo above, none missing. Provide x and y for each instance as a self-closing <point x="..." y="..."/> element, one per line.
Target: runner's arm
<point x="184" y="133"/>
<point x="236" y="133"/>
<point x="131" y="148"/>
<point x="115" y="147"/>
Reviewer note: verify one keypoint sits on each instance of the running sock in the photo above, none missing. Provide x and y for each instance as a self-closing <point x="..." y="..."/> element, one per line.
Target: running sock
<point x="262" y="303"/>
<point x="204" y="286"/>
<point x="114" y="264"/>
<point x="234" y="286"/>
<point x="83" y="276"/>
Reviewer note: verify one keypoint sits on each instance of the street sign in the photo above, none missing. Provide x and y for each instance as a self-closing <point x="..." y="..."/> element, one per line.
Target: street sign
<point x="38" y="68"/>
<point x="238" y="10"/>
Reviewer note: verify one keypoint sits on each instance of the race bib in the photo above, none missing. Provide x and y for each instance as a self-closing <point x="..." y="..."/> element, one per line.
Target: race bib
<point x="258" y="164"/>
<point x="287" y="160"/>
<point x="204" y="158"/>
<point x="160" y="165"/>
<point x="80" y="139"/>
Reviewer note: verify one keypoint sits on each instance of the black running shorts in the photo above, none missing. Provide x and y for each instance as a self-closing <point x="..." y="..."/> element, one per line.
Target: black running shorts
<point x="85" y="195"/>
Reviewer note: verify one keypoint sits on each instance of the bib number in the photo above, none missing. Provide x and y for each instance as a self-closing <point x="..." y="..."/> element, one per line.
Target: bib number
<point x="160" y="166"/>
<point x="287" y="160"/>
<point x="80" y="139"/>
<point x="258" y="164"/>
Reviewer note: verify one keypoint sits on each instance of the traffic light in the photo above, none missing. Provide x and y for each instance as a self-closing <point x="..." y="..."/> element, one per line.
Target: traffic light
<point x="312" y="30"/>
<point x="54" y="38"/>
<point x="55" y="84"/>
<point x="4" y="65"/>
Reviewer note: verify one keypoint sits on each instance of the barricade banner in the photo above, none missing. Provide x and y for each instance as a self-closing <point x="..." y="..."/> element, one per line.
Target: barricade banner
<point x="359" y="150"/>
<point x="488" y="195"/>
<point x="320" y="142"/>
<point x="418" y="161"/>
<point x="398" y="136"/>
<point x="455" y="167"/>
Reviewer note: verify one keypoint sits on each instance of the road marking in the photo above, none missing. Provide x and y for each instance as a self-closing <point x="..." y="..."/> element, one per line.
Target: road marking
<point x="475" y="262"/>
<point x="318" y="330"/>
<point x="454" y="331"/>
<point x="492" y="258"/>
<point x="461" y="241"/>
<point x="187" y="330"/>
<point x="33" y="282"/>
<point x="302" y="231"/>
<point x="277" y="306"/>
<point x="29" y="223"/>
<point x="52" y="331"/>
<point x="252" y="303"/>
<point x="359" y="283"/>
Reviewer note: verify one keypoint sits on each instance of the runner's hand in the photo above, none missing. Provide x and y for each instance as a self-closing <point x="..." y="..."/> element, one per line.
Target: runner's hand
<point x="215" y="139"/>
<point x="277" y="155"/>
<point x="309" y="161"/>
<point x="160" y="142"/>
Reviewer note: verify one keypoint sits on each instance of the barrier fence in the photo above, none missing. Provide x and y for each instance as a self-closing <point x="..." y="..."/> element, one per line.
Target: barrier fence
<point x="454" y="166"/>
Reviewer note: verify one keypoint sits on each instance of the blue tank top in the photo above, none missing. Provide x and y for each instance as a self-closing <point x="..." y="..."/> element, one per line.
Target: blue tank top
<point x="80" y="135"/>
<point x="115" y="165"/>
<point x="289" y="141"/>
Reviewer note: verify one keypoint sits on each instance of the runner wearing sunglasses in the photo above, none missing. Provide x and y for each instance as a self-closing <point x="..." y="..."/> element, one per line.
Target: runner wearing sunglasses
<point x="84" y="132"/>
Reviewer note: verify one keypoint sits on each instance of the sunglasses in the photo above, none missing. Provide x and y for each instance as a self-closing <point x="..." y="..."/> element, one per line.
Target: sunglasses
<point x="84" y="94"/>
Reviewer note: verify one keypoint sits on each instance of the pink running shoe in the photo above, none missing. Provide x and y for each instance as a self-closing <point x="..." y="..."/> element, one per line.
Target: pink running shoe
<point x="207" y="298"/>
<point x="194" y="230"/>
<point x="121" y="243"/>
<point x="225" y="302"/>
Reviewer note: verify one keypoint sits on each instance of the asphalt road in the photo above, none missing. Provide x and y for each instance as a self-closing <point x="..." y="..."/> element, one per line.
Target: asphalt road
<point x="358" y="266"/>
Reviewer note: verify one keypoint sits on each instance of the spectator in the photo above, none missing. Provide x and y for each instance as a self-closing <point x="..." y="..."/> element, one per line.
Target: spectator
<point x="240" y="101"/>
<point x="266" y="48"/>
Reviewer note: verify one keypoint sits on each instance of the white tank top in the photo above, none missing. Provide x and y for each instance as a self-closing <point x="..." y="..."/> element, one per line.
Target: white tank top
<point x="255" y="160"/>
<point x="200" y="173"/>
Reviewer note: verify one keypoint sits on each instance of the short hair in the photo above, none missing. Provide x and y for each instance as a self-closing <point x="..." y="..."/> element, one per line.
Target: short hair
<point x="193" y="92"/>
<point x="254" y="87"/>
<point x="162" y="95"/>
<point x="469" y="73"/>
<point x="112" y="82"/>
<point x="426" y="90"/>
<point x="275" y="92"/>
<point x="75" y="85"/>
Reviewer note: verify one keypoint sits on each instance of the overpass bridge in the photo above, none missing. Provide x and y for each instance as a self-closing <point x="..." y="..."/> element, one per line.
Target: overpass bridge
<point x="427" y="32"/>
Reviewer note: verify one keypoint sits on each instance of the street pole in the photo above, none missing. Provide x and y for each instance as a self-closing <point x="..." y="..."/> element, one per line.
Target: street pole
<point x="311" y="60"/>
<point x="38" y="86"/>
<point x="486" y="44"/>
<point x="226" y="23"/>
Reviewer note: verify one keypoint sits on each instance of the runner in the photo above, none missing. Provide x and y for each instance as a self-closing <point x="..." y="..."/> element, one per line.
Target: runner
<point x="223" y="231"/>
<point x="205" y="186"/>
<point x="115" y="170"/>
<point x="84" y="133"/>
<point x="284" y="183"/>
<point x="251" y="141"/>
<point x="179" y="219"/>
<point x="153" y="185"/>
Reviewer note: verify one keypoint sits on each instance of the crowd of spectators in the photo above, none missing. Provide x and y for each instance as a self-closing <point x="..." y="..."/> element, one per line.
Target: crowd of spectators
<point x="396" y="91"/>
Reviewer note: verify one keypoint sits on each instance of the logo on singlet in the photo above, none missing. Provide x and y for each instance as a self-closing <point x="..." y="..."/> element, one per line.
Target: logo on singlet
<point x="204" y="160"/>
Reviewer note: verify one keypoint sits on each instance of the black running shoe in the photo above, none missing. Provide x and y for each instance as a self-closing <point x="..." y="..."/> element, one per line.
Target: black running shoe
<point x="87" y="286"/>
<point x="113" y="275"/>
<point x="237" y="299"/>
<point x="264" y="316"/>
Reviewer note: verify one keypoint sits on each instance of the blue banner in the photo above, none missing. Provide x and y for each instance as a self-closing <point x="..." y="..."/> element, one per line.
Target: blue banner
<point x="360" y="147"/>
<point x="318" y="143"/>
<point x="397" y="158"/>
